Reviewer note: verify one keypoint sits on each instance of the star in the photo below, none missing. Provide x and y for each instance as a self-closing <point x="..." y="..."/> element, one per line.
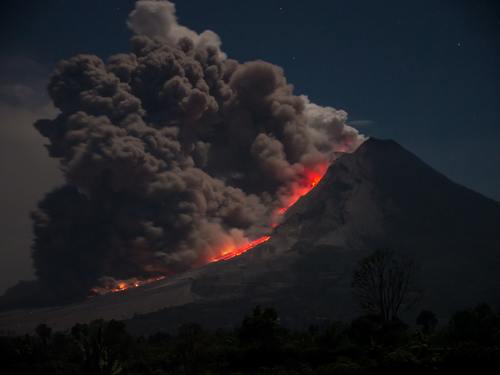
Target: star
<point x="281" y="9"/>
<point x="293" y="58"/>
<point x="459" y="44"/>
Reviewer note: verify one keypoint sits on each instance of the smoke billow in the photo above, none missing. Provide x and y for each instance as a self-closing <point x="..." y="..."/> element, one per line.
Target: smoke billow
<point x="171" y="152"/>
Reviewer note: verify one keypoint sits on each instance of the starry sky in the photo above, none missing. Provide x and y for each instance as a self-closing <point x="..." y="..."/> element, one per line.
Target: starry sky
<point x="425" y="73"/>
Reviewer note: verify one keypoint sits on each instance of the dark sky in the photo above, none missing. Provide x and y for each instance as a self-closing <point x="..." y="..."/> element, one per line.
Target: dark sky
<point x="425" y="73"/>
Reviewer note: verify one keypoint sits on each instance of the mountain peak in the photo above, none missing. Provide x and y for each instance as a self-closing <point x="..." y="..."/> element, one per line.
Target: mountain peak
<point x="373" y="143"/>
<point x="381" y="196"/>
<point x="396" y="179"/>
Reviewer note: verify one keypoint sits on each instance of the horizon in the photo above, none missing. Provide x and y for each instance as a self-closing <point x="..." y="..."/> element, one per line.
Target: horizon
<point x="188" y="161"/>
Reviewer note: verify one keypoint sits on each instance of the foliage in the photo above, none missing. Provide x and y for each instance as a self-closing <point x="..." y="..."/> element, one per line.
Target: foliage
<point x="261" y="345"/>
<point x="427" y="320"/>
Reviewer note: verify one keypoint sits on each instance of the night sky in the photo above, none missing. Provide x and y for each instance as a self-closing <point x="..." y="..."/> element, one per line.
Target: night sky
<point x="424" y="73"/>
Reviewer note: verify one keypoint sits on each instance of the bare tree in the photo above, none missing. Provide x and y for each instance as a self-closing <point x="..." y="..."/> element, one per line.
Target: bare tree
<point x="384" y="283"/>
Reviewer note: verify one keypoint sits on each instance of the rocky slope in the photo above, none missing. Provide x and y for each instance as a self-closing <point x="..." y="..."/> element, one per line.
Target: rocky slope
<point x="382" y="196"/>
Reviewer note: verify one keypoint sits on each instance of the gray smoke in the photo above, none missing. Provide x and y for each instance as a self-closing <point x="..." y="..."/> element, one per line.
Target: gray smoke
<point x="170" y="152"/>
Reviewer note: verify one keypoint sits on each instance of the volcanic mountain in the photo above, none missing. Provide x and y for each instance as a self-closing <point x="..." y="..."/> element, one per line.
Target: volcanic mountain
<point x="381" y="196"/>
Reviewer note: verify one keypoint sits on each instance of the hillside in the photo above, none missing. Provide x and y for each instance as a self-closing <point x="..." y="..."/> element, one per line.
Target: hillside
<point x="381" y="196"/>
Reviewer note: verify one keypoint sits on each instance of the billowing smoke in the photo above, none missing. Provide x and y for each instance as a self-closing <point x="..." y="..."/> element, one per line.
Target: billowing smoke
<point x="171" y="152"/>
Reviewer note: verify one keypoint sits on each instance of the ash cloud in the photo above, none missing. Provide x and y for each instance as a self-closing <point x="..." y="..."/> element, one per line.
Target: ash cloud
<point x="170" y="152"/>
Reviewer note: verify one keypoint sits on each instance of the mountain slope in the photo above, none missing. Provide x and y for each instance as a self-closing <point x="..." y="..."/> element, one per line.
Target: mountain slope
<point x="382" y="196"/>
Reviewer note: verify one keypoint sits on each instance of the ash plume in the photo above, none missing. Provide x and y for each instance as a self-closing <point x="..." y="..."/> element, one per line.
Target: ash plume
<point x="170" y="152"/>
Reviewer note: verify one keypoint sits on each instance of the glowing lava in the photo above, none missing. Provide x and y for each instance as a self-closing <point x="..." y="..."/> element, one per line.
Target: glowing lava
<point x="232" y="252"/>
<point x="122" y="285"/>
<point x="311" y="178"/>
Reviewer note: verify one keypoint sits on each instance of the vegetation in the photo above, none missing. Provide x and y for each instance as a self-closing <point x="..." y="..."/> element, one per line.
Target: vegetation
<point x="470" y="342"/>
<point x="384" y="283"/>
<point x="376" y="343"/>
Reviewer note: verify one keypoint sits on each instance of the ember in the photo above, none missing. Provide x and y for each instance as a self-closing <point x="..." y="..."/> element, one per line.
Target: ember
<point x="114" y="286"/>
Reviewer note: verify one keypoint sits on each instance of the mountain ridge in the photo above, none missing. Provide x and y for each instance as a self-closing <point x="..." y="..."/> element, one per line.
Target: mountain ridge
<point x="381" y="196"/>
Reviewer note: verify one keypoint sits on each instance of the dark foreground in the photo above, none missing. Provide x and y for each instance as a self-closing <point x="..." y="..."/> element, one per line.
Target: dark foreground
<point x="469" y="342"/>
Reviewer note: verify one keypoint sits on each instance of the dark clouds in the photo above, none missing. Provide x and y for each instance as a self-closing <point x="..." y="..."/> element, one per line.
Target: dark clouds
<point x="170" y="153"/>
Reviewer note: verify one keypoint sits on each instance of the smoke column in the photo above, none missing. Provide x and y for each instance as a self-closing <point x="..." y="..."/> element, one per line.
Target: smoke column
<point x="171" y="152"/>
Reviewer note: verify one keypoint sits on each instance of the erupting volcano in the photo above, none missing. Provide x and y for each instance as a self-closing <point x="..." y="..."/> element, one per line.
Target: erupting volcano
<point x="311" y="179"/>
<point x="380" y="195"/>
<point x="174" y="156"/>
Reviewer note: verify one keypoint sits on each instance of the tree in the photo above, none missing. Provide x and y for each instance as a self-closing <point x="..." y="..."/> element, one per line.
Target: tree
<point x="427" y="320"/>
<point x="101" y="344"/>
<point x="480" y="324"/>
<point x="44" y="332"/>
<point x="192" y="347"/>
<point x="261" y="327"/>
<point x="384" y="283"/>
<point x="261" y="338"/>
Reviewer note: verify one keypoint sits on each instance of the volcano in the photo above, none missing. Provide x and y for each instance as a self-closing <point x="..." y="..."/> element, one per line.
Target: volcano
<point x="381" y="196"/>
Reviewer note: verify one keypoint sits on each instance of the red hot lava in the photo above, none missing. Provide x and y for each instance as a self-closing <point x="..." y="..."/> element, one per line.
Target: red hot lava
<point x="122" y="285"/>
<point x="311" y="178"/>
<point x="232" y="252"/>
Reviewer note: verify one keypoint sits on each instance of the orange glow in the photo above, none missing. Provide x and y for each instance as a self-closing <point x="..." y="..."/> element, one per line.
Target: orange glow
<point x="123" y="285"/>
<point x="311" y="178"/>
<point x="232" y="252"/>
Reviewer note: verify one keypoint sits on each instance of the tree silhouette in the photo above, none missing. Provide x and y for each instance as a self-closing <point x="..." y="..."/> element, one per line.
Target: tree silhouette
<point x="261" y="327"/>
<point x="98" y="343"/>
<point x="44" y="332"/>
<point x="384" y="283"/>
<point x="427" y="320"/>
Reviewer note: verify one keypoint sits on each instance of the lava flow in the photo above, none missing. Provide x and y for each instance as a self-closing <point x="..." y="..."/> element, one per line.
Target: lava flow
<point x="122" y="285"/>
<point x="232" y="252"/>
<point x="311" y="178"/>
